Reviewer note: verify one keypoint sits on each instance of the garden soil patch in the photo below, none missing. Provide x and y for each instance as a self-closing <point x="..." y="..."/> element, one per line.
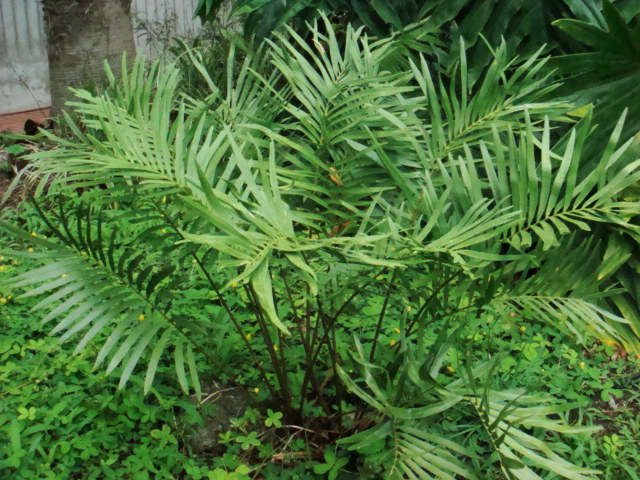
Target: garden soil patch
<point x="14" y="199"/>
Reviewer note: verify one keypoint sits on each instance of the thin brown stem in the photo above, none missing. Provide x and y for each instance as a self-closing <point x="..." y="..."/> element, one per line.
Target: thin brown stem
<point x="428" y="301"/>
<point x="383" y="312"/>
<point x="278" y="365"/>
<point x="223" y="302"/>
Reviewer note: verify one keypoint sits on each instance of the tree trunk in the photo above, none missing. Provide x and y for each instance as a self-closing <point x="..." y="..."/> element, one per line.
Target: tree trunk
<point x="81" y="35"/>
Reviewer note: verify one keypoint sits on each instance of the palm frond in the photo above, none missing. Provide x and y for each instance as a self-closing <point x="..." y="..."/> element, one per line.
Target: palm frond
<point x="94" y="287"/>
<point x="419" y="451"/>
<point x="553" y="191"/>
<point x="605" y="72"/>
<point x="506" y="417"/>
<point x="461" y="114"/>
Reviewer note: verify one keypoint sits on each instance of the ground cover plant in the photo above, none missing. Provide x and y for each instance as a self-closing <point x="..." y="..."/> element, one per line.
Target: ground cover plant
<point x="61" y="419"/>
<point x="413" y="272"/>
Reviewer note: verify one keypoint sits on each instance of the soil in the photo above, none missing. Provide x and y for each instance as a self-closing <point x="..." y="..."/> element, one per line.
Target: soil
<point x="14" y="199"/>
<point x="628" y="406"/>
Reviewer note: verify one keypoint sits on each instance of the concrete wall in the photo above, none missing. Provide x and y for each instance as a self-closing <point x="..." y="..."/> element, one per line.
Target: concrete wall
<point x="24" y="71"/>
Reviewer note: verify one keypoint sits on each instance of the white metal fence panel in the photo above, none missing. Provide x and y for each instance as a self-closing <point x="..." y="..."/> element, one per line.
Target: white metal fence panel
<point x="156" y="22"/>
<point x="24" y="70"/>
<point x="24" y="75"/>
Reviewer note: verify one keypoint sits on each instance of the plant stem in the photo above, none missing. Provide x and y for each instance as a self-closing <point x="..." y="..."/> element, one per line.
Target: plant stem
<point x="355" y="294"/>
<point x="278" y="365"/>
<point x="304" y="339"/>
<point x="223" y="303"/>
<point x="428" y="301"/>
<point x="383" y="311"/>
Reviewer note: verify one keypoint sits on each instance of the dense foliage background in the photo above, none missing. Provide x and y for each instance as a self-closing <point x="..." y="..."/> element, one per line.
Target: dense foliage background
<point x="376" y="249"/>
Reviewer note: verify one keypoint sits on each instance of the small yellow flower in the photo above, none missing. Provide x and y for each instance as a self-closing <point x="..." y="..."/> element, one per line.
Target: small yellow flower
<point x="2" y="268"/>
<point x="45" y="237"/>
<point x="9" y="297"/>
<point x="164" y="230"/>
<point x="162" y="215"/>
<point x="397" y="330"/>
<point x="29" y="249"/>
<point x="451" y="369"/>
<point x="164" y="199"/>
<point x="350" y="371"/>
<point x="64" y="275"/>
<point x="256" y="390"/>
<point x="3" y="301"/>
<point x="34" y="234"/>
<point x="392" y="343"/>
<point x="193" y="261"/>
<point x="582" y="365"/>
<point x="409" y="308"/>
<point x="141" y="318"/>
<point x="234" y="284"/>
<point x="248" y="336"/>
<point x="523" y="329"/>
<point x="275" y="348"/>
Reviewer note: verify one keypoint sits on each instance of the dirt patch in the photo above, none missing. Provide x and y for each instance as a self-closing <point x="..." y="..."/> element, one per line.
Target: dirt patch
<point x="14" y="199"/>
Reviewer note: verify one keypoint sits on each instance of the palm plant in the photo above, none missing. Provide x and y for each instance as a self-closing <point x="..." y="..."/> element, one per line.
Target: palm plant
<point x="526" y="26"/>
<point x="411" y="438"/>
<point x="602" y="78"/>
<point x="318" y="181"/>
<point x="606" y="70"/>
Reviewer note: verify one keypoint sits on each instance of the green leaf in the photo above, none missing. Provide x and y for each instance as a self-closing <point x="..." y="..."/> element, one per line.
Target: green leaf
<point x="261" y="284"/>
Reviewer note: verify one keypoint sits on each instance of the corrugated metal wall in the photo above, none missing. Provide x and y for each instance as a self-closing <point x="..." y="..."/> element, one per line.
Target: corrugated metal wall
<point x="24" y="74"/>
<point x="23" y="56"/>
<point x="156" y="21"/>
